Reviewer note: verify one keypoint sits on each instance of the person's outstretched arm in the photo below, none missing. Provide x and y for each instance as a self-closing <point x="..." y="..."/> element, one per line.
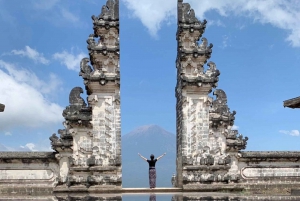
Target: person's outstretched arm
<point x="142" y="157"/>
<point x="161" y="156"/>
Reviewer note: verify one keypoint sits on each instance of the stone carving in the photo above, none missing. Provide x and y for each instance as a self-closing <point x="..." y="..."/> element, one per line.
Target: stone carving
<point x="75" y="98"/>
<point x="186" y="14"/>
<point x="94" y="129"/>
<point x="204" y="44"/>
<point x="91" y="41"/>
<point x="203" y="124"/>
<point x="104" y="53"/>
<point x="203" y="48"/>
<point x="108" y="11"/>
<point x="54" y="138"/>
<point x="65" y="142"/>
<point x="77" y="112"/>
<point x="103" y="179"/>
<point x="224" y="161"/>
<point x="76" y="180"/>
<point x="208" y="160"/>
<point x="2" y="107"/>
<point x="219" y="113"/>
<point x="189" y="45"/>
<point x="207" y="178"/>
<point x="212" y="72"/>
<point x="210" y="77"/>
<point x="64" y="134"/>
<point x="85" y="68"/>
<point x="236" y="142"/>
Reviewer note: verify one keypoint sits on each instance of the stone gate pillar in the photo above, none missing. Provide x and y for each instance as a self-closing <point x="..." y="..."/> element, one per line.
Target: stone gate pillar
<point x="103" y="87"/>
<point x="203" y="125"/>
<point x="89" y="148"/>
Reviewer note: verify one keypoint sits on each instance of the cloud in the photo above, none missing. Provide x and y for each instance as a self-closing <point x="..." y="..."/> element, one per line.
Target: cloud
<point x="224" y="42"/>
<point x="69" y="16"/>
<point x="152" y="13"/>
<point x="279" y="13"/>
<point x="292" y="132"/>
<point x="218" y="23"/>
<point x="234" y="127"/>
<point x="28" y="146"/>
<point x="57" y="12"/>
<point x="45" y="5"/>
<point x="70" y="60"/>
<point x="7" y="134"/>
<point x="31" y="54"/>
<point x="33" y="147"/>
<point x="24" y="96"/>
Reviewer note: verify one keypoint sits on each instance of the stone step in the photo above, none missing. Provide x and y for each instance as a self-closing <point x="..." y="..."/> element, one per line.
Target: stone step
<point x="148" y="190"/>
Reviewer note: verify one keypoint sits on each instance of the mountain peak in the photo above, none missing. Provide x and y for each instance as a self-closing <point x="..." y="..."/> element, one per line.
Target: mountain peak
<point x="151" y="129"/>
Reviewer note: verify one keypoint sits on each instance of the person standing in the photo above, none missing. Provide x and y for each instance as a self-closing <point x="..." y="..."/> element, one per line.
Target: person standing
<point x="152" y="171"/>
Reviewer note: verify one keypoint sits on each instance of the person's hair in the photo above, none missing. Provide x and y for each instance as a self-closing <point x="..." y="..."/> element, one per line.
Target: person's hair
<point x="152" y="156"/>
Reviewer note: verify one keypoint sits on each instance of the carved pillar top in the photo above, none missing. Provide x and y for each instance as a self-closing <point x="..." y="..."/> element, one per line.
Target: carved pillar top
<point x="292" y="103"/>
<point x="77" y="112"/>
<point x="192" y="54"/>
<point x="103" y="47"/>
<point x="2" y="107"/>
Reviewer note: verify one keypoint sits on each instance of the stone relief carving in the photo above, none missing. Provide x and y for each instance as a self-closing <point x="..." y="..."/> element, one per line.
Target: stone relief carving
<point x="212" y="73"/>
<point x="64" y="142"/>
<point x="210" y="77"/>
<point x="186" y="14"/>
<point x="219" y="113"/>
<point x="77" y="112"/>
<point x="85" y="68"/>
<point x="103" y="179"/>
<point x="2" y="106"/>
<point x="109" y="11"/>
<point x="76" y="180"/>
<point x="235" y="141"/>
<point x="203" y="177"/>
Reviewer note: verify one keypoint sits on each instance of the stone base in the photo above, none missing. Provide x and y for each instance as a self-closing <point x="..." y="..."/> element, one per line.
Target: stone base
<point x="25" y="197"/>
<point x="66" y="189"/>
<point x="212" y="188"/>
<point x="105" y="189"/>
<point x="84" y="189"/>
<point x="271" y="189"/>
<point x="148" y="190"/>
<point x="226" y="196"/>
<point x="25" y="190"/>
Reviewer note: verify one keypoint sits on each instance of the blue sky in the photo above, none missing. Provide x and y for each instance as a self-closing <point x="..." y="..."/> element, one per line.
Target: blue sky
<point x="256" y="48"/>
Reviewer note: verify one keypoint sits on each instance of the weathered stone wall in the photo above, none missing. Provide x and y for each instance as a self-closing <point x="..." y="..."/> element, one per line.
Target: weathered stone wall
<point x="28" y="173"/>
<point x="270" y="172"/>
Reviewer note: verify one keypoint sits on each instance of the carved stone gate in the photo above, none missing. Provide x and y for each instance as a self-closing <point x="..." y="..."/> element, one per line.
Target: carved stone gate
<point x="87" y="153"/>
<point x="89" y="148"/>
<point x="208" y="148"/>
<point x="206" y="144"/>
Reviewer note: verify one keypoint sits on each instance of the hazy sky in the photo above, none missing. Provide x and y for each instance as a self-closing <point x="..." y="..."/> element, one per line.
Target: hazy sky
<point x="256" y="48"/>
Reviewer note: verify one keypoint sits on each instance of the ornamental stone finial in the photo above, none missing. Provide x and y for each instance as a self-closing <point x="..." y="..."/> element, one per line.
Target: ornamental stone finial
<point x="2" y="107"/>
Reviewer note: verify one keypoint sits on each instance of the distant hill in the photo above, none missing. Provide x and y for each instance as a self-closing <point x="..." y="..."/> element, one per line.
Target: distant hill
<point x="147" y="140"/>
<point x="3" y="148"/>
